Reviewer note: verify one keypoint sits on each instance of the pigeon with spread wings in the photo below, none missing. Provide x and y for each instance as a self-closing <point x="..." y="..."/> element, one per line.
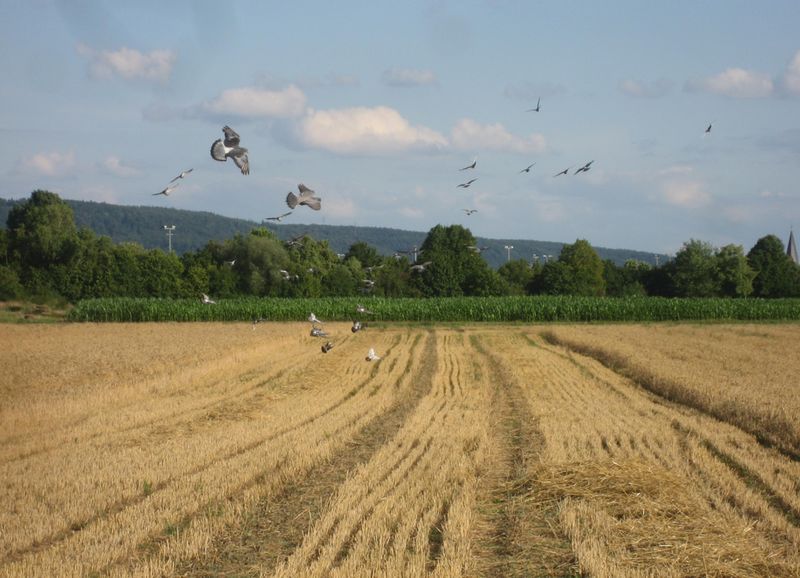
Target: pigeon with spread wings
<point x="306" y="198"/>
<point x="221" y="150"/>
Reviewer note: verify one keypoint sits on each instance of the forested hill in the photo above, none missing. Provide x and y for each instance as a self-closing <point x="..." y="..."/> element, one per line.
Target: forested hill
<point x="193" y="229"/>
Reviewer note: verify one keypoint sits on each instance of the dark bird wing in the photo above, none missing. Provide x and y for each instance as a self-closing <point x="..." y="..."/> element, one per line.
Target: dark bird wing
<point x="304" y="190"/>
<point x="231" y="137"/>
<point x="239" y="156"/>
<point x="218" y="151"/>
<point x="291" y="200"/>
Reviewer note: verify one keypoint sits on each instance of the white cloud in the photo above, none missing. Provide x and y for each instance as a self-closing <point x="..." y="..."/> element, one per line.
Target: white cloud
<point x="736" y="83"/>
<point x="687" y="194"/>
<point x="50" y="164"/>
<point x="469" y="135"/>
<point x="129" y="64"/>
<point x="655" y="89"/>
<point x="791" y="78"/>
<point x="341" y="208"/>
<point x="408" y="77"/>
<point x="362" y="130"/>
<point x="253" y="102"/>
<point x="115" y="166"/>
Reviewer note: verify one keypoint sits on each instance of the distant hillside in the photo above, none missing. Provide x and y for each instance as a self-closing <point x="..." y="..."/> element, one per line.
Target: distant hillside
<point x="193" y="229"/>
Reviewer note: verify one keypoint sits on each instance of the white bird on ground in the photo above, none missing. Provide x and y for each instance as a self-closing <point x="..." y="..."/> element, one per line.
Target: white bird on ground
<point x="167" y="190"/>
<point x="182" y="175"/>
<point x="371" y="356"/>
<point x="222" y="150"/>
<point x="317" y="332"/>
<point x="208" y="300"/>
<point x="306" y="198"/>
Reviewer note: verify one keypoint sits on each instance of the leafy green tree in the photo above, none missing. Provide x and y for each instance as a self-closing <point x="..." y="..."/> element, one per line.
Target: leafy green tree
<point x="555" y="278"/>
<point x="625" y="281"/>
<point x="10" y="287"/>
<point x="734" y="274"/>
<point x="161" y="273"/>
<point x="776" y="274"/>
<point x="42" y="231"/>
<point x="585" y="269"/>
<point x="517" y="274"/>
<point x="366" y="254"/>
<point x="695" y="270"/>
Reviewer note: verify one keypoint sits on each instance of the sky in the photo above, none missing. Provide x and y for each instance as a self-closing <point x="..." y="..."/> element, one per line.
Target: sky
<point x="377" y="105"/>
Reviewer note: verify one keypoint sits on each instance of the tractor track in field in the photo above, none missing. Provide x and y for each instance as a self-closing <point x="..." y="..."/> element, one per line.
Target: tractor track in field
<point x="269" y="532"/>
<point x="522" y="536"/>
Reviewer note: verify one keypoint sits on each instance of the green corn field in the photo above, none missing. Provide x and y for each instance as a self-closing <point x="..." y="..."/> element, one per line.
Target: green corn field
<point x="447" y="309"/>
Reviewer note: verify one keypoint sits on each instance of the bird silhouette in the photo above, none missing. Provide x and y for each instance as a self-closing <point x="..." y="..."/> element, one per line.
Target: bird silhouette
<point x="585" y="168"/>
<point x="528" y="168"/>
<point x="327" y="347"/>
<point x="306" y="198"/>
<point x="222" y="150"/>
<point x="182" y="175"/>
<point x="472" y="166"/>
<point x="166" y="191"/>
<point x="207" y="300"/>
<point x="420" y="267"/>
<point x="564" y="172"/>
<point x="538" y="104"/>
<point x="278" y="218"/>
<point x="708" y="128"/>
<point x="467" y="184"/>
<point x="468" y="212"/>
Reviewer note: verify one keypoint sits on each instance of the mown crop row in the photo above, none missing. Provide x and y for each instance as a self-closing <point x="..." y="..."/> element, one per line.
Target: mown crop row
<point x="456" y="309"/>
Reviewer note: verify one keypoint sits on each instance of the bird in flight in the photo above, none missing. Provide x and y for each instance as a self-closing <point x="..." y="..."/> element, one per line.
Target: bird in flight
<point x="327" y="347"/>
<point x="528" y="168"/>
<point x="585" y="168"/>
<point x="472" y="166"/>
<point x="221" y="150"/>
<point x="306" y="198"/>
<point x="467" y="184"/>
<point x="296" y="240"/>
<point x="285" y="274"/>
<point x="363" y="310"/>
<point x="278" y="218"/>
<point x="208" y="300"/>
<point x="564" y="172"/>
<point x="232" y="262"/>
<point x="371" y="356"/>
<point x="368" y="283"/>
<point x="477" y="249"/>
<point x="708" y="128"/>
<point x="166" y="191"/>
<point x="182" y="175"/>
<point x="469" y="212"/>
<point x="420" y="267"/>
<point x="313" y="319"/>
<point x="538" y="104"/>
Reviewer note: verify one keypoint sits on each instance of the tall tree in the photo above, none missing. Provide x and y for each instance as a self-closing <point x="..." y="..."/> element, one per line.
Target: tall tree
<point x="695" y="271"/>
<point x="585" y="268"/>
<point x="734" y="274"/>
<point x="776" y="274"/>
<point x="42" y="231"/>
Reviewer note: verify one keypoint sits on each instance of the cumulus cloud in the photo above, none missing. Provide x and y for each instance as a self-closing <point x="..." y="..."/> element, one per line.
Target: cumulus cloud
<point x="655" y="89"/>
<point x="362" y="130"/>
<point x="251" y="102"/>
<point x="115" y="166"/>
<point x="408" y="77"/>
<point x="735" y="83"/>
<point x="791" y="78"/>
<point x="49" y="164"/>
<point x="469" y="135"/>
<point x="129" y="63"/>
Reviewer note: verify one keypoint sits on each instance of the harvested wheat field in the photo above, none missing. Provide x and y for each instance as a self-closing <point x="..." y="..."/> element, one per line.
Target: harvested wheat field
<point x="484" y="450"/>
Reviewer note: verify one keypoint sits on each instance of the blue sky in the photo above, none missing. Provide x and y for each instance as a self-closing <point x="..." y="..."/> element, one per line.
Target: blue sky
<point x="376" y="105"/>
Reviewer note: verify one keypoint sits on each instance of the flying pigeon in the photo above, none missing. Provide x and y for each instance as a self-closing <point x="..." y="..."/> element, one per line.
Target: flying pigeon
<point x="182" y="175"/>
<point x="477" y="249"/>
<point x="708" y="129"/>
<point x="285" y="274"/>
<point x="208" y="300"/>
<point x="356" y="326"/>
<point x="363" y="310"/>
<point x="371" y="355"/>
<point x="221" y="150"/>
<point x="528" y="168"/>
<point x="232" y="262"/>
<point x="467" y="184"/>
<point x="313" y="319"/>
<point x="538" y="103"/>
<point x="166" y="191"/>
<point x="564" y="172"/>
<point x="306" y="198"/>
<point x="470" y="211"/>
<point x="585" y="168"/>
<point x="278" y="218"/>
<point x="327" y="347"/>
<point x="295" y="240"/>
<point x="420" y="267"/>
<point x="368" y="283"/>
<point x="472" y="166"/>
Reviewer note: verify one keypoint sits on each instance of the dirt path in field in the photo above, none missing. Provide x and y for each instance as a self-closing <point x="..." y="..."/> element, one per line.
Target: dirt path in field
<point x="268" y="533"/>
<point x="519" y="537"/>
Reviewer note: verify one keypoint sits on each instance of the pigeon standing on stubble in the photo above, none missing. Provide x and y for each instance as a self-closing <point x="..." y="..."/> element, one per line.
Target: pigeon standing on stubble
<point x="221" y="150"/>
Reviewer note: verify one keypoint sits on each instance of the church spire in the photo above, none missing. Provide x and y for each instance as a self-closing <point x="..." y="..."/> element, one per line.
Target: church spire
<point x="791" y="248"/>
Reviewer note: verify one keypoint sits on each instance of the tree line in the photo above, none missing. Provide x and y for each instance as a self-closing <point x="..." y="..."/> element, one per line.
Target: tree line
<point x="45" y="255"/>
